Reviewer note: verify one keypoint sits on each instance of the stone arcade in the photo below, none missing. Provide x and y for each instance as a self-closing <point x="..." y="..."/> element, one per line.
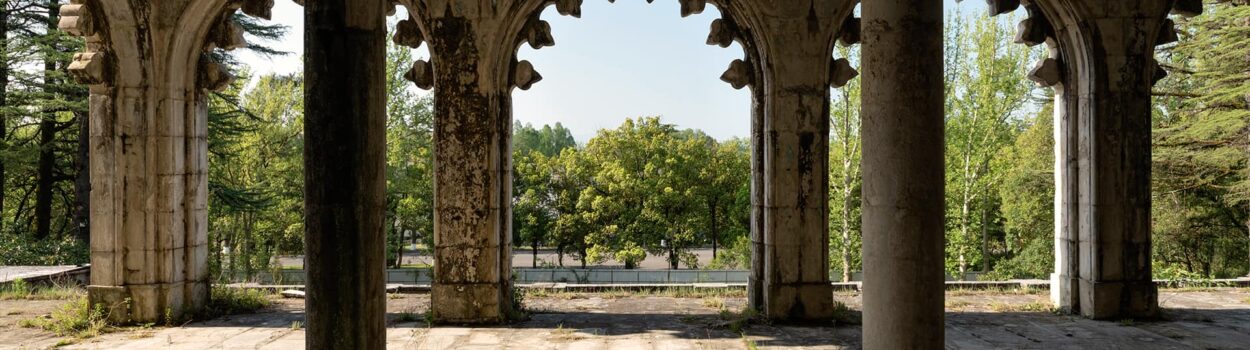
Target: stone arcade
<point x="148" y="73"/>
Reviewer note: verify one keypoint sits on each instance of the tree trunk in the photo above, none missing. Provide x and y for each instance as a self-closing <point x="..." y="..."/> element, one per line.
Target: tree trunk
<point x="846" y="226"/>
<point x="672" y="258"/>
<point x="985" y="240"/>
<point x="560" y="254"/>
<point x="4" y="101"/>
<point x="715" y="233"/>
<point x="583" y="252"/>
<point x="963" y="232"/>
<point x="399" y="250"/>
<point x="43" y="187"/>
<point x="47" y="136"/>
<point x="534" y="247"/>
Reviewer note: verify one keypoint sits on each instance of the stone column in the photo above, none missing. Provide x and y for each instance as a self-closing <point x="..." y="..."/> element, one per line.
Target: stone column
<point x="795" y="194"/>
<point x="1114" y="165"/>
<point x="344" y="173"/>
<point x="789" y="66"/>
<point x="755" y="285"/>
<point x="1063" y="282"/>
<point x="473" y="70"/>
<point x="148" y="163"/>
<point x="903" y="167"/>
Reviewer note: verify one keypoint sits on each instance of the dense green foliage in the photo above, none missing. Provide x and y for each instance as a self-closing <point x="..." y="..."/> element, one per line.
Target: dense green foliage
<point x="986" y="100"/>
<point x="643" y="188"/>
<point x="1201" y="146"/>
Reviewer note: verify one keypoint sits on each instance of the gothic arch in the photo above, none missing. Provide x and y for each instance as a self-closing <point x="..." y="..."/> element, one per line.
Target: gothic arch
<point x="1101" y="66"/>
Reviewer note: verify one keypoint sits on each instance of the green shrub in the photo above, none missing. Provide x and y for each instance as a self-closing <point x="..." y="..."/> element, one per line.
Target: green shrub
<point x="735" y="256"/>
<point x="17" y="249"/>
<point x="75" y="319"/>
<point x="235" y="301"/>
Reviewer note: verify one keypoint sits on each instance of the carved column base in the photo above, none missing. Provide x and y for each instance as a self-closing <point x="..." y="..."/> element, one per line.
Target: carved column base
<point x="149" y="303"/>
<point x="1119" y="300"/>
<point x="799" y="302"/>
<point x="470" y="303"/>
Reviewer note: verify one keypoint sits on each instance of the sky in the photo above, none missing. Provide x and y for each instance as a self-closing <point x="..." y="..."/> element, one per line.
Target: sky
<point x="622" y="60"/>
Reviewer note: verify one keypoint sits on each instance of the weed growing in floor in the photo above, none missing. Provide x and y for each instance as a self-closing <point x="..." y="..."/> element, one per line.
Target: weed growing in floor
<point x="750" y="343"/>
<point x="234" y="301"/>
<point x="296" y="325"/>
<point x="715" y="303"/>
<point x="843" y="314"/>
<point x="1025" y="307"/>
<point x="75" y="319"/>
<point x="737" y="321"/>
<point x="957" y="305"/>
<point x="407" y="317"/>
<point x="516" y="310"/>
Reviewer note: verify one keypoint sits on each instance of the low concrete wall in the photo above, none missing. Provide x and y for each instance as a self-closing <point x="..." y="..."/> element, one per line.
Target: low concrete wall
<point x="528" y="276"/>
<point x="572" y="276"/>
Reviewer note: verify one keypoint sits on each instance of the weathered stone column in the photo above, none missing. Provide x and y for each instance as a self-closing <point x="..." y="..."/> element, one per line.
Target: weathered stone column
<point x="903" y="167"/>
<point x="790" y="69"/>
<point x="1064" y="281"/>
<point x="1114" y="163"/>
<point x="472" y="179"/>
<point x="344" y="173"/>
<point x="473" y="70"/>
<point x="148" y="151"/>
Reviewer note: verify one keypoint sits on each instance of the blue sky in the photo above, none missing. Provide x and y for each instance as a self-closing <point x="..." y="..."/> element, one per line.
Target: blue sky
<point x="620" y="60"/>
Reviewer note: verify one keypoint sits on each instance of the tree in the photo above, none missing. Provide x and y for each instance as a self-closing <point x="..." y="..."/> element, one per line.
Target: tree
<point x="410" y="159"/>
<point x="723" y="181"/>
<point x="533" y="197"/>
<point x="1201" y="146"/>
<point x="641" y="193"/>
<point x="985" y="94"/>
<point x="1027" y="193"/>
<point x="250" y="145"/>
<point x="846" y="180"/>
<point x="570" y="177"/>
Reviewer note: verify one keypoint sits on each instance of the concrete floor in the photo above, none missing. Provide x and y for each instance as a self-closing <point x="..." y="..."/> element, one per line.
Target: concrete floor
<point x="1213" y="319"/>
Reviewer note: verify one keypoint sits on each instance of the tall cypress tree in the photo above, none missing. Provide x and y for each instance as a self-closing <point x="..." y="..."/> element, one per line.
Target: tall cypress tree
<point x="1202" y="144"/>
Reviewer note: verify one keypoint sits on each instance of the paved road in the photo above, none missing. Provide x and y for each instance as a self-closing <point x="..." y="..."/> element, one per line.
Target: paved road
<point x="546" y="257"/>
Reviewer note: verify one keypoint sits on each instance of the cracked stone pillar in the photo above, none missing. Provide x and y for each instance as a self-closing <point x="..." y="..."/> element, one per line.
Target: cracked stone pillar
<point x="903" y="167"/>
<point x="344" y="173"/>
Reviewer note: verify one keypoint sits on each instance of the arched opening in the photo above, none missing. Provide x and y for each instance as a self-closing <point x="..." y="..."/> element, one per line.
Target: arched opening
<point x="681" y="158"/>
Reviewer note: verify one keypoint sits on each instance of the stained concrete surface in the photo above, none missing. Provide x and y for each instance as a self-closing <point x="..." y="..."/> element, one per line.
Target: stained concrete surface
<point x="1210" y="319"/>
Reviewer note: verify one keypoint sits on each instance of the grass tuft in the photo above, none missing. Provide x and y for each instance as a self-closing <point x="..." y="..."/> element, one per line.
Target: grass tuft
<point x="957" y="305"/>
<point x="234" y="301"/>
<point x="714" y="302"/>
<point x="843" y="314"/>
<point x="75" y="319"/>
<point x="1025" y="307"/>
